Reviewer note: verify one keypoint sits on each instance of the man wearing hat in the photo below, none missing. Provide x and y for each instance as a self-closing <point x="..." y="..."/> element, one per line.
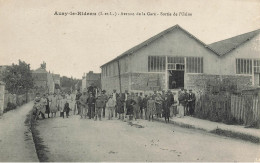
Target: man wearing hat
<point x="99" y="106"/>
<point x="191" y="102"/>
<point x="91" y="105"/>
<point x="104" y="98"/>
<point x="83" y="104"/>
<point x="77" y="107"/>
<point x="186" y="108"/>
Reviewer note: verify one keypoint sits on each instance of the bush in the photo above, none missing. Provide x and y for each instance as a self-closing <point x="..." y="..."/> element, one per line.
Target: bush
<point x="10" y="106"/>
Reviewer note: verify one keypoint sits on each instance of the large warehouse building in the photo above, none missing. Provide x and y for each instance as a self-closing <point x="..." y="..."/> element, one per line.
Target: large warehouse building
<point x="175" y="58"/>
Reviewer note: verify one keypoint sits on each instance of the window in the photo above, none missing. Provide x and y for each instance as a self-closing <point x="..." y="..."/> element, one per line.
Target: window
<point x="194" y="64"/>
<point x="257" y="66"/>
<point x="156" y="64"/>
<point x="243" y="66"/>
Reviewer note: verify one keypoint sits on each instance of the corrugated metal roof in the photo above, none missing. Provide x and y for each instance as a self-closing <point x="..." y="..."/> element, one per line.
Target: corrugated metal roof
<point x="225" y="46"/>
<point x="147" y="42"/>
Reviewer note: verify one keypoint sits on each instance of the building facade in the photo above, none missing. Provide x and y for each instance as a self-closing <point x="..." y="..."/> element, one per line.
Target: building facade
<point x="45" y="80"/>
<point x="175" y="58"/>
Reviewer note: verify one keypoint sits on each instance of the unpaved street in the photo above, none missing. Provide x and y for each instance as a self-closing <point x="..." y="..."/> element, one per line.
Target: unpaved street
<point x="76" y="139"/>
<point x="16" y="142"/>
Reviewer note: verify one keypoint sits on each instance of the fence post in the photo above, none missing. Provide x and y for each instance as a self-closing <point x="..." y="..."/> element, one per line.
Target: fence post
<point x="2" y="97"/>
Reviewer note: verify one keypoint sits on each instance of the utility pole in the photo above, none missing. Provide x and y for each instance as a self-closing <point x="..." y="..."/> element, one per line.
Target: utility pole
<point x="119" y="76"/>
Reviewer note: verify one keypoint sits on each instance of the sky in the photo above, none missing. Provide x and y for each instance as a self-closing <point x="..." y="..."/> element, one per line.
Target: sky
<point x="73" y="45"/>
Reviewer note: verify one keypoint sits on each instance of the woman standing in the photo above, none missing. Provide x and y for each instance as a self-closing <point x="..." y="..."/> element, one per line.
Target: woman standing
<point x="150" y="108"/>
<point x="54" y="104"/>
<point x="62" y="103"/>
<point x="120" y="106"/>
<point x="158" y="104"/>
<point x="43" y="103"/>
<point x="59" y="98"/>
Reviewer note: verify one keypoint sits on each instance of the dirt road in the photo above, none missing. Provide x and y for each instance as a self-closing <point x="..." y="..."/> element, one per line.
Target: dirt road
<point x="76" y="139"/>
<point x="16" y="142"/>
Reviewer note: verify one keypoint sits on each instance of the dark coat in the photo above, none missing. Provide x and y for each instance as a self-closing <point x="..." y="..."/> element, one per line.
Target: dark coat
<point x="191" y="97"/>
<point x="129" y="106"/>
<point x="66" y="107"/>
<point x="91" y="101"/>
<point x="120" y="105"/>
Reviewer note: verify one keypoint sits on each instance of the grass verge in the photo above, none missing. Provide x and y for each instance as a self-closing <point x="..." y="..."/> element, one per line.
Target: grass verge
<point x="41" y="149"/>
<point x="236" y="135"/>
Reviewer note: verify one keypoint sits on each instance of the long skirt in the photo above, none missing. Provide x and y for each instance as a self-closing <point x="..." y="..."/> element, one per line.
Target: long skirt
<point x="136" y="111"/>
<point x="120" y="109"/>
<point x="54" y="108"/>
<point x="181" y="111"/>
<point x="158" y="108"/>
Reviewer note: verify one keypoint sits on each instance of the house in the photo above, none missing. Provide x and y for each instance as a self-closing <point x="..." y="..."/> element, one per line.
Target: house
<point x="45" y="80"/>
<point x="175" y="58"/>
<point x="91" y="79"/>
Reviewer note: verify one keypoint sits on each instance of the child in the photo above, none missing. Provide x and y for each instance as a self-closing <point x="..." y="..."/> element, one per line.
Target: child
<point x="66" y="109"/>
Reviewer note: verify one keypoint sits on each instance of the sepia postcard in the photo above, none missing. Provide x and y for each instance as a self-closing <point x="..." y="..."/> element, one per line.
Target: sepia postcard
<point x="129" y="81"/>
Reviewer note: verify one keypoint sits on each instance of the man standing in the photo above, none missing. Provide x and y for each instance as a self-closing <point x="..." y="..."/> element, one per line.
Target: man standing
<point x="181" y="99"/>
<point x="186" y="97"/>
<point x="141" y="105"/>
<point x="104" y="98"/>
<point x="70" y="99"/>
<point x="124" y="99"/>
<point x="99" y="106"/>
<point x="144" y="104"/>
<point x="91" y="105"/>
<point x="191" y="102"/>
<point x="136" y="106"/>
<point x="110" y="105"/>
<point x="114" y="97"/>
<point x="77" y="107"/>
<point x="83" y="105"/>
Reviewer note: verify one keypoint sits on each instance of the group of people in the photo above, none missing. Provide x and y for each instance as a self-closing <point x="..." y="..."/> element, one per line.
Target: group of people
<point x="53" y="103"/>
<point x="186" y="102"/>
<point x="118" y="105"/>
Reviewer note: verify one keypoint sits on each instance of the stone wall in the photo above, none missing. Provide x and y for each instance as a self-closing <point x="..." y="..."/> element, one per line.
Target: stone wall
<point x="111" y="83"/>
<point x="2" y="97"/>
<point x="147" y="81"/>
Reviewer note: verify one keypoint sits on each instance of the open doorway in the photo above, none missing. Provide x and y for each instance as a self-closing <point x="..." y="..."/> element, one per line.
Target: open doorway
<point x="176" y="79"/>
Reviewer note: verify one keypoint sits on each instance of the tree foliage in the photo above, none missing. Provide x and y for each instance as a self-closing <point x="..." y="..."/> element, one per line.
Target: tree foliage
<point x="18" y="78"/>
<point x="68" y="83"/>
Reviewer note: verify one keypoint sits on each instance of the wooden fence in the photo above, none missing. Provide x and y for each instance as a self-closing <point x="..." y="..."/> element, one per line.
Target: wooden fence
<point x="245" y="108"/>
<point x="239" y="109"/>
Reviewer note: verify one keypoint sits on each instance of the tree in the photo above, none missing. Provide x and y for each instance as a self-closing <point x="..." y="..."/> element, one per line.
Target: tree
<point x="18" y="78"/>
<point x="68" y="83"/>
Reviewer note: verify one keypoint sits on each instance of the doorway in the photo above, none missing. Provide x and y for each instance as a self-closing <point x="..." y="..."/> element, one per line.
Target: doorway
<point x="176" y="79"/>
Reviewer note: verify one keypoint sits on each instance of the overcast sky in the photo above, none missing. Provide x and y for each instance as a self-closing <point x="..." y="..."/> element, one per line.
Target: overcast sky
<point x="72" y="45"/>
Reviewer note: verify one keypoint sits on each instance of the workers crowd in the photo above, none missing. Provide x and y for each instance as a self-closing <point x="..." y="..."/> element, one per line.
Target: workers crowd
<point x="132" y="106"/>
